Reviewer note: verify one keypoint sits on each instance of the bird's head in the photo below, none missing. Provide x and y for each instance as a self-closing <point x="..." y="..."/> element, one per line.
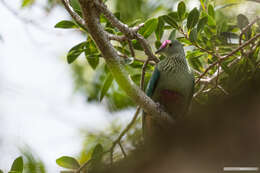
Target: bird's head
<point x="170" y="48"/>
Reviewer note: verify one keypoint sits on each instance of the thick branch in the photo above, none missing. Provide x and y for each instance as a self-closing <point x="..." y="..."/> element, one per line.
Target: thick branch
<point x="101" y="39"/>
<point x="131" y="33"/>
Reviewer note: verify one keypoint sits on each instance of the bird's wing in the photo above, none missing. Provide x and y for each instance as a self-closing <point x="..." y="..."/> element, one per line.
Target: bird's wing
<point x="149" y="92"/>
<point x="192" y="91"/>
<point x="153" y="82"/>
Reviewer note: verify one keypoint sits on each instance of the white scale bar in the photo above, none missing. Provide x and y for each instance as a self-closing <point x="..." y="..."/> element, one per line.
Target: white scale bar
<point x="241" y="169"/>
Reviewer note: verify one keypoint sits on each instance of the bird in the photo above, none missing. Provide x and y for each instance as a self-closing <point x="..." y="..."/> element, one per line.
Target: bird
<point x="171" y="86"/>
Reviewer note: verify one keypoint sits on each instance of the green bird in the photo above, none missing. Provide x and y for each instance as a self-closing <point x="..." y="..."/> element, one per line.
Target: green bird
<point x="171" y="86"/>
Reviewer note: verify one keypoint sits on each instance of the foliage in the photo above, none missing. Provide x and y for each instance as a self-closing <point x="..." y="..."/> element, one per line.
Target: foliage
<point x="209" y="36"/>
<point x="217" y="52"/>
<point x="205" y="31"/>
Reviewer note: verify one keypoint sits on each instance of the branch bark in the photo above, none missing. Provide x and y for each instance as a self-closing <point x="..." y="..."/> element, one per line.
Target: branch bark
<point x="228" y="55"/>
<point x="91" y="18"/>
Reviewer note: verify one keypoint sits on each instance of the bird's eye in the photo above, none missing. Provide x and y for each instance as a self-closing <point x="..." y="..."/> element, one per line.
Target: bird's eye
<point x="170" y="44"/>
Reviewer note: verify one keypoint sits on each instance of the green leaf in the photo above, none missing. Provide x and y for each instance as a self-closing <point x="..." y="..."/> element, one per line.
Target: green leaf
<point x="92" y="54"/>
<point x="170" y="21"/>
<point x="65" y="24"/>
<point x="174" y="15"/>
<point x="137" y="45"/>
<point x="181" y="10"/>
<point x="149" y="27"/>
<point x="26" y="3"/>
<point x="93" y="61"/>
<point x="201" y="23"/>
<point x="68" y="162"/>
<point x="108" y="81"/>
<point x="159" y="30"/>
<point x="211" y="21"/>
<point x="193" y="18"/>
<point x="1" y="171"/>
<point x="158" y="44"/>
<point x="193" y="35"/>
<point x="17" y="165"/>
<point x="242" y="21"/>
<point x="76" y="6"/>
<point x="172" y="35"/>
<point x="211" y="11"/>
<point x="97" y="152"/>
<point x="75" y="51"/>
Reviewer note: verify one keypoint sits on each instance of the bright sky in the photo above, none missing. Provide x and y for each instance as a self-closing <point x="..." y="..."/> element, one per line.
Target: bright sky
<point x="37" y="104"/>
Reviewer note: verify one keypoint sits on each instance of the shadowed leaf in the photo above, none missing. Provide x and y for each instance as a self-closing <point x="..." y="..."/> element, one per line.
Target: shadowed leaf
<point x="242" y="21"/>
<point x="201" y="23"/>
<point x="75" y="51"/>
<point x="93" y="61"/>
<point x="181" y="10"/>
<point x="160" y="28"/>
<point x="193" y="18"/>
<point x="193" y="35"/>
<point x="170" y="21"/>
<point x="108" y="81"/>
<point x="172" y="35"/>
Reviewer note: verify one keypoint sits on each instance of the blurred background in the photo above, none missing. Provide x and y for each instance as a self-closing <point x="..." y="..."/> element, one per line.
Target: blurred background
<point x="49" y="108"/>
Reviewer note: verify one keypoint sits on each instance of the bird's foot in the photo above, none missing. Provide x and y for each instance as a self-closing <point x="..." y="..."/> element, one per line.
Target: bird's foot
<point x="159" y="107"/>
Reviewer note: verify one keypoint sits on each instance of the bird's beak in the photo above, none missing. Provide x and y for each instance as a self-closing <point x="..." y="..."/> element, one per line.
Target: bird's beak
<point x="159" y="50"/>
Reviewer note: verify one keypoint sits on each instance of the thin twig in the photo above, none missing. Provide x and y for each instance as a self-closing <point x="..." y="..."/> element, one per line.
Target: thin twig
<point x="223" y="90"/>
<point x="136" y="59"/>
<point x="246" y="28"/>
<point x="131" y="33"/>
<point x="117" y="141"/>
<point x="143" y="73"/>
<point x="217" y="75"/>
<point x="199" y="91"/>
<point x="83" y="166"/>
<point x="199" y="47"/>
<point x="122" y="149"/>
<point x="227" y="56"/>
<point x="73" y="14"/>
<point x="131" y="47"/>
<point x="146" y="47"/>
<point x="119" y="38"/>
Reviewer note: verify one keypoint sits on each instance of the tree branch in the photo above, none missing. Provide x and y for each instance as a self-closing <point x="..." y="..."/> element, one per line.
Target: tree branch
<point x="73" y="14"/>
<point x="131" y="48"/>
<point x="246" y="28"/>
<point x="118" y="140"/>
<point x="91" y="17"/>
<point x="83" y="166"/>
<point x="228" y="55"/>
<point x="131" y="33"/>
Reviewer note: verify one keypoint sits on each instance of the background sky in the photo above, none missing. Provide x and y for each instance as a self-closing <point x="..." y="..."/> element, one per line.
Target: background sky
<point x="38" y="104"/>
